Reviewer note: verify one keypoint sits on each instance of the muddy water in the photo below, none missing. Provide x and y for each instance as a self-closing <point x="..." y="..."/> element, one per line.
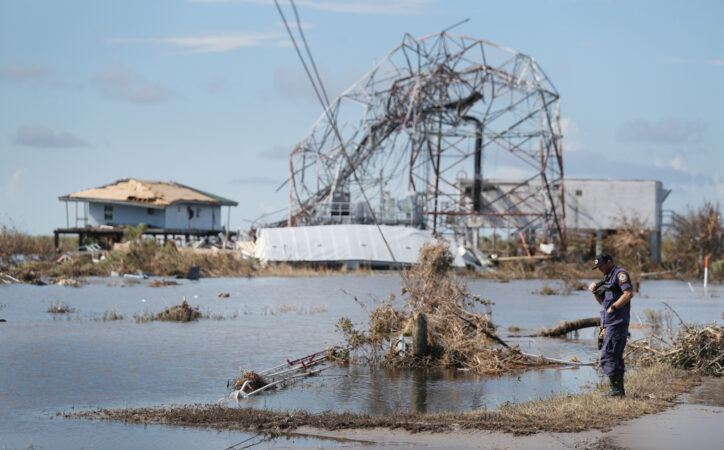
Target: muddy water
<point x="56" y="363"/>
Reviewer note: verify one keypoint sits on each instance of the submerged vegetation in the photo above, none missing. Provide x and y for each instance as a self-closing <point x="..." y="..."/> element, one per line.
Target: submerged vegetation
<point x="178" y="313"/>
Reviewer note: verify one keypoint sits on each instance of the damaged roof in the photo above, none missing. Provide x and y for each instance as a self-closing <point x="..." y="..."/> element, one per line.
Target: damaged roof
<point x="157" y="194"/>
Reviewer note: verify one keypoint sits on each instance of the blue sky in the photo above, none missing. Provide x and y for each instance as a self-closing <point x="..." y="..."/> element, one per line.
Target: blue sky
<point x="211" y="94"/>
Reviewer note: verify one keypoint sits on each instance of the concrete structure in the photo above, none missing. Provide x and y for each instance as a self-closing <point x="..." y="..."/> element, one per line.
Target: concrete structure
<point x="596" y="205"/>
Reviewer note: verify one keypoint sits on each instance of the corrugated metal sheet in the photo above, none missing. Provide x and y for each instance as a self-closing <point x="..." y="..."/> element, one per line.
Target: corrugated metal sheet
<point x="342" y="244"/>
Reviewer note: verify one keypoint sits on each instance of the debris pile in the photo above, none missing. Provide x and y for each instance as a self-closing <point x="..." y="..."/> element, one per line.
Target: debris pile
<point x="700" y="349"/>
<point x="438" y="326"/>
<point x="696" y="348"/>
<point x="252" y="382"/>
<point x="179" y="313"/>
<point x="255" y="381"/>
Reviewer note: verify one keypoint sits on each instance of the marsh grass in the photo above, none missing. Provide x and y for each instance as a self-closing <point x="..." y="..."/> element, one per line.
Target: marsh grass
<point x="649" y="390"/>
<point x="15" y="242"/>
<point x="112" y="315"/>
<point x="58" y="307"/>
<point x="547" y="290"/>
<point x="219" y="316"/>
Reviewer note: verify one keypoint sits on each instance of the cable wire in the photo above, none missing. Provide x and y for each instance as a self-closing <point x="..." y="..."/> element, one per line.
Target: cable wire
<point x="323" y="99"/>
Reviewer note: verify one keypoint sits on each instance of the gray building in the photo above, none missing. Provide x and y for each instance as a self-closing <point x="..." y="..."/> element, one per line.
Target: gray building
<point x="595" y="205"/>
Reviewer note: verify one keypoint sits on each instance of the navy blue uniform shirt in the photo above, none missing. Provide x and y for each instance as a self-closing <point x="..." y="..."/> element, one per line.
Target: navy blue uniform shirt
<point x="617" y="280"/>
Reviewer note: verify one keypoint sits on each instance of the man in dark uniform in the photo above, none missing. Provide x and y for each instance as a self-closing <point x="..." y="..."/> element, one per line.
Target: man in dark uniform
<point x="615" y="318"/>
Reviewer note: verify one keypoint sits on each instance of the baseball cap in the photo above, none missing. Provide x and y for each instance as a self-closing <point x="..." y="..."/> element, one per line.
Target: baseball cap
<point x="601" y="259"/>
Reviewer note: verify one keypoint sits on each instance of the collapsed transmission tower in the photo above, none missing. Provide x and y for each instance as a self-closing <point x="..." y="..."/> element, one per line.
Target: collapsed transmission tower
<point x="414" y="132"/>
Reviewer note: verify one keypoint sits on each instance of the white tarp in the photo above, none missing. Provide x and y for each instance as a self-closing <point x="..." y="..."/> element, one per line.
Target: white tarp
<point x="342" y="244"/>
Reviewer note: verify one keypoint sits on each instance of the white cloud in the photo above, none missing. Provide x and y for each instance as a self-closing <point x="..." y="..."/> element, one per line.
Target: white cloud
<point x="378" y="7"/>
<point x="12" y="185"/>
<point x="23" y="72"/>
<point x="43" y="137"/>
<point x="121" y="83"/>
<point x="216" y="43"/>
<point x="573" y="136"/>
<point x="677" y="163"/>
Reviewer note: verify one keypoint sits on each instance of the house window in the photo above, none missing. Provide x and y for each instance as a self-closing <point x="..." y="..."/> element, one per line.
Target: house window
<point x="579" y="192"/>
<point x="108" y="212"/>
<point x="150" y="211"/>
<point x="198" y="212"/>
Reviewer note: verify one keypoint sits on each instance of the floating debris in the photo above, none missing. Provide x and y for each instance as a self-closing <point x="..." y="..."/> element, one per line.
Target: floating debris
<point x="163" y="283"/>
<point x="58" y="307"/>
<point x="252" y="383"/>
<point x="179" y="313"/>
<point x="224" y="295"/>
<point x="71" y="282"/>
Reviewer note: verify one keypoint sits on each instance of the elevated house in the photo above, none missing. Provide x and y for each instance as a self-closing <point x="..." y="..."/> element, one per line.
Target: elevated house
<point x="166" y="207"/>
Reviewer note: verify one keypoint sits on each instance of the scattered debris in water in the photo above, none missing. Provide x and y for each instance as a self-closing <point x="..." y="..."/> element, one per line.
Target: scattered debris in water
<point x="179" y="313"/>
<point x="163" y="283"/>
<point x="58" y="307"/>
<point x="224" y="295"/>
<point x="250" y="381"/>
<point x="253" y="382"/>
<point x="72" y="282"/>
<point x="547" y="290"/>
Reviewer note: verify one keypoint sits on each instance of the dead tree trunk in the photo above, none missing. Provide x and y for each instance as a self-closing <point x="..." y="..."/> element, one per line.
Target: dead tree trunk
<point x="564" y="328"/>
<point x="419" y="335"/>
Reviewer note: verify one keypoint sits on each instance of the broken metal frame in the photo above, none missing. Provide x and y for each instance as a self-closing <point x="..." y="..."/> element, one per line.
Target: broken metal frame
<point x="423" y="115"/>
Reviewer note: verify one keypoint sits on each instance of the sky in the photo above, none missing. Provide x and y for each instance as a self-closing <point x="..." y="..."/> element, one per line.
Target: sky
<point x="211" y="94"/>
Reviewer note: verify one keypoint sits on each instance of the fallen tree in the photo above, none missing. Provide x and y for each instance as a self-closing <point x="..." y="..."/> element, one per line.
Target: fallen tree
<point x="564" y="328"/>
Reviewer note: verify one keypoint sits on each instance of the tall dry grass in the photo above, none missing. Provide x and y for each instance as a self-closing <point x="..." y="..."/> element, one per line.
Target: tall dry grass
<point x="15" y="242"/>
<point x="693" y="236"/>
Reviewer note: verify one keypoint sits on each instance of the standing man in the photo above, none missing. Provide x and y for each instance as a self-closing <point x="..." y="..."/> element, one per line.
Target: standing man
<point x="615" y="317"/>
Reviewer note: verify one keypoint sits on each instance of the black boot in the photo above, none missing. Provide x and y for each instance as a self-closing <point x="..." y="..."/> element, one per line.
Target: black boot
<point x="616" y="382"/>
<point x="619" y="391"/>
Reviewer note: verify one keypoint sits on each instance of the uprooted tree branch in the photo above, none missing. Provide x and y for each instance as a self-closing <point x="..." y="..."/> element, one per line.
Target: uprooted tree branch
<point x="457" y="335"/>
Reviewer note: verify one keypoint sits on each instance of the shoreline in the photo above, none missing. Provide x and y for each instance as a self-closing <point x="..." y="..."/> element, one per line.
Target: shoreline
<point x="651" y="390"/>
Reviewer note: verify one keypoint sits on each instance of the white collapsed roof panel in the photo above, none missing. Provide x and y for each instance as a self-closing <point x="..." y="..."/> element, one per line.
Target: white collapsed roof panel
<point x="342" y="244"/>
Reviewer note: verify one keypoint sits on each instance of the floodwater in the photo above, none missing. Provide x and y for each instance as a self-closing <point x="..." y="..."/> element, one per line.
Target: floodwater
<point x="58" y="363"/>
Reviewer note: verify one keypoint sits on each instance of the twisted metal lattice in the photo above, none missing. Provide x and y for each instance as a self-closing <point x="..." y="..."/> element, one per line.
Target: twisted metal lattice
<point x="416" y="130"/>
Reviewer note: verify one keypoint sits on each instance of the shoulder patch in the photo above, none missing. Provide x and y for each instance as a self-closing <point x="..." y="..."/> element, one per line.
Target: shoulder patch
<point x="622" y="277"/>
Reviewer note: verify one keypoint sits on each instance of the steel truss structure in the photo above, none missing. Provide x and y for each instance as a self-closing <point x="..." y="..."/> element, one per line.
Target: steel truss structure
<point x="406" y="144"/>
